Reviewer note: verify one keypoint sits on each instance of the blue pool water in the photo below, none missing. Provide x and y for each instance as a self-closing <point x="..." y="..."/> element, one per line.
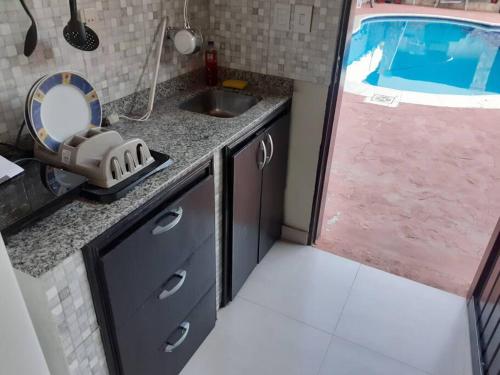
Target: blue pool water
<point x="426" y="54"/>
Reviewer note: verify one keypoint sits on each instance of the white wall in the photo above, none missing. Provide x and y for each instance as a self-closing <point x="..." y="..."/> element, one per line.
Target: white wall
<point x="20" y="352"/>
<point x="308" y="113"/>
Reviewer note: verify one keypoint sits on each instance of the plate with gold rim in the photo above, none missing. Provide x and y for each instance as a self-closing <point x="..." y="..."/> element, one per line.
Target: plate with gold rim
<point x="62" y="105"/>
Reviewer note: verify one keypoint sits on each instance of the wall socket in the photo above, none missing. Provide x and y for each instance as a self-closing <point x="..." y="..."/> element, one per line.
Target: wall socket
<point x="89" y="16"/>
<point x="281" y="19"/>
<point x="302" y="18"/>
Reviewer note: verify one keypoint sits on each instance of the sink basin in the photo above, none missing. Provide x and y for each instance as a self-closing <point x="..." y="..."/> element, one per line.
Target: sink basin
<point x="220" y="103"/>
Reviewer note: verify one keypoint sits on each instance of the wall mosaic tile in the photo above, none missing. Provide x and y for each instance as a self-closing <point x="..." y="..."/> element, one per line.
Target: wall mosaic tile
<point x="69" y="300"/>
<point x="70" y="303"/>
<point x="218" y="185"/>
<point x="89" y="358"/>
<point x="242" y="30"/>
<point x="126" y="29"/>
<point x="306" y="56"/>
<point x="244" y="33"/>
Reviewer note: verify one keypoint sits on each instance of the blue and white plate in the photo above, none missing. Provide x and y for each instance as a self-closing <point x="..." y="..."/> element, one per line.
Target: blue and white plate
<point x="62" y="105"/>
<point x="27" y="105"/>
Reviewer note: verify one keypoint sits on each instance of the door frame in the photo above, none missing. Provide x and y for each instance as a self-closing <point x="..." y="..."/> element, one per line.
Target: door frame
<point x="332" y="114"/>
<point x="486" y="266"/>
<point x="330" y="126"/>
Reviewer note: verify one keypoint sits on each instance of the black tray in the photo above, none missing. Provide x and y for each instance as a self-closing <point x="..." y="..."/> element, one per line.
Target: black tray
<point x="162" y="161"/>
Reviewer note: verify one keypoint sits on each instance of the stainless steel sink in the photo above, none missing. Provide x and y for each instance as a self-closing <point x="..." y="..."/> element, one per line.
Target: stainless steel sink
<point x="220" y="103"/>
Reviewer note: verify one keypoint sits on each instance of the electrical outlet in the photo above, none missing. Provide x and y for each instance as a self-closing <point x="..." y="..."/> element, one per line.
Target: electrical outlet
<point x="281" y="17"/>
<point x="90" y="16"/>
<point x="302" y="19"/>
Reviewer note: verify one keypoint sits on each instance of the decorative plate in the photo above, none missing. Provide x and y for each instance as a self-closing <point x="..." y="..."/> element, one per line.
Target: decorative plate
<point x="62" y="105"/>
<point x="27" y="105"/>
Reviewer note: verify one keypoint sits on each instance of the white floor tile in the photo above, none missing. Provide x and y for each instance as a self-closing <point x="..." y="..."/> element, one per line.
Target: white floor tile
<point x="249" y="339"/>
<point x="410" y="322"/>
<point x="345" y="358"/>
<point x="303" y="283"/>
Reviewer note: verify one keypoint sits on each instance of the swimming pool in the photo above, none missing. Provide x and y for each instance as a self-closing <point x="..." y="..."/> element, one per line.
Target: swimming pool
<point x="427" y="55"/>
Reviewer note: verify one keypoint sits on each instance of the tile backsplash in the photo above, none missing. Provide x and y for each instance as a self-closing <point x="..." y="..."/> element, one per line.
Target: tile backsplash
<point x="242" y="29"/>
<point x="247" y="39"/>
<point x="126" y="29"/>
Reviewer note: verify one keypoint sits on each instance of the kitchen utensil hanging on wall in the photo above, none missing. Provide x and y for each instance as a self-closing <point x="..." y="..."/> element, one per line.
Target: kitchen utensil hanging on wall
<point x="32" y="34"/>
<point x="77" y="33"/>
<point x="188" y="40"/>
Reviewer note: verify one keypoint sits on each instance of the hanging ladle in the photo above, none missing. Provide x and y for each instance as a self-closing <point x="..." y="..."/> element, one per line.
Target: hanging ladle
<point x="77" y="33"/>
<point x="32" y="34"/>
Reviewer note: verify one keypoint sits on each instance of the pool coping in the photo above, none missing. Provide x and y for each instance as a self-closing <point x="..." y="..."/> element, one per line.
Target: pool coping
<point x="491" y="101"/>
<point x="358" y="19"/>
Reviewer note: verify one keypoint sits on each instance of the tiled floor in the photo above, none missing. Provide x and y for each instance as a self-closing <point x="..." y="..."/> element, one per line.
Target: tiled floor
<point x="304" y="311"/>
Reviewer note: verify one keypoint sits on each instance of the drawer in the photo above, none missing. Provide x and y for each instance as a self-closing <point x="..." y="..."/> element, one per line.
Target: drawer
<point x="141" y="351"/>
<point x="142" y="261"/>
<point x="170" y="303"/>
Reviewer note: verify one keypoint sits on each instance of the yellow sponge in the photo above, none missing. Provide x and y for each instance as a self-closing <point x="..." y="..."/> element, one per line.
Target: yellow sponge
<point x="235" y="84"/>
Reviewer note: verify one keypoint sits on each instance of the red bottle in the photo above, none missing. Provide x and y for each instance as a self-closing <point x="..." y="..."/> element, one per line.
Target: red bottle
<point x="211" y="64"/>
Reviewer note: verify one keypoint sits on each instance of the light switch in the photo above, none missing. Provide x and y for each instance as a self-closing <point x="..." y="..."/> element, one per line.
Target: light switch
<point x="302" y="18"/>
<point x="282" y="13"/>
<point x="89" y="16"/>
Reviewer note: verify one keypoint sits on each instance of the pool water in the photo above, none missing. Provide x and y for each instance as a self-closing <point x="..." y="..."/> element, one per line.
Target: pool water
<point x="425" y="54"/>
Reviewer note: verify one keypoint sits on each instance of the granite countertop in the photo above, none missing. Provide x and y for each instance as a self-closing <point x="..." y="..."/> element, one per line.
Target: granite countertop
<point x="189" y="138"/>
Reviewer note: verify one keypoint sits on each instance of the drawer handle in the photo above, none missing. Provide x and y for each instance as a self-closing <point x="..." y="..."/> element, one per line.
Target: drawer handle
<point x="263" y="149"/>
<point x="169" y="348"/>
<point x="271" y="146"/>
<point x="167" y="293"/>
<point x="160" y="229"/>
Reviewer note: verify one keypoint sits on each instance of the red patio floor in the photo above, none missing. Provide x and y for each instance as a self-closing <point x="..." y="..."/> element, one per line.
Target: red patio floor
<point x="414" y="190"/>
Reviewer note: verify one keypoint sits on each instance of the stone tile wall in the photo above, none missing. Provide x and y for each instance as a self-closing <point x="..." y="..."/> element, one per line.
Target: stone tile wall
<point x="72" y="311"/>
<point x="244" y="33"/>
<point x="62" y="310"/>
<point x="242" y="30"/>
<point x="126" y="29"/>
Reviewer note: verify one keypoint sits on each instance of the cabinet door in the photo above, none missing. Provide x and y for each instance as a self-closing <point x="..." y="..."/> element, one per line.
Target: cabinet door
<point x="274" y="184"/>
<point x="246" y="167"/>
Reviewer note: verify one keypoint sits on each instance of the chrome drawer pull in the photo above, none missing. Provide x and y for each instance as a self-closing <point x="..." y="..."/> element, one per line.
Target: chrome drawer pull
<point x="162" y="229"/>
<point x="167" y="293"/>
<point x="169" y="348"/>
<point x="263" y="149"/>
<point x="271" y="146"/>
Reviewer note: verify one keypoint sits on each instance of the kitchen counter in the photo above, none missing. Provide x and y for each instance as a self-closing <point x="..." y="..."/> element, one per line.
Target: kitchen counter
<point x="189" y="139"/>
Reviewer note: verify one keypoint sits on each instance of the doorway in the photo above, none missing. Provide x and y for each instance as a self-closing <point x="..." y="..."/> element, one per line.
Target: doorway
<point x="484" y="310"/>
<point x="408" y="176"/>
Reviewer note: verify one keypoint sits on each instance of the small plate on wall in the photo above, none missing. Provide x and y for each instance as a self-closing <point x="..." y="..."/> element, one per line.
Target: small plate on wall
<point x="62" y="105"/>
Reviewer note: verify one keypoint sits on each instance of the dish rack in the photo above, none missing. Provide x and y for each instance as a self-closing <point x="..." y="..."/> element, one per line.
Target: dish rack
<point x="99" y="154"/>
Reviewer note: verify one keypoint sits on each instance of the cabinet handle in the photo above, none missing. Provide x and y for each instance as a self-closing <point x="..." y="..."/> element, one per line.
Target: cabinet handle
<point x="271" y="146"/>
<point x="160" y="229"/>
<point x="262" y="148"/>
<point x="169" y="348"/>
<point x="167" y="293"/>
